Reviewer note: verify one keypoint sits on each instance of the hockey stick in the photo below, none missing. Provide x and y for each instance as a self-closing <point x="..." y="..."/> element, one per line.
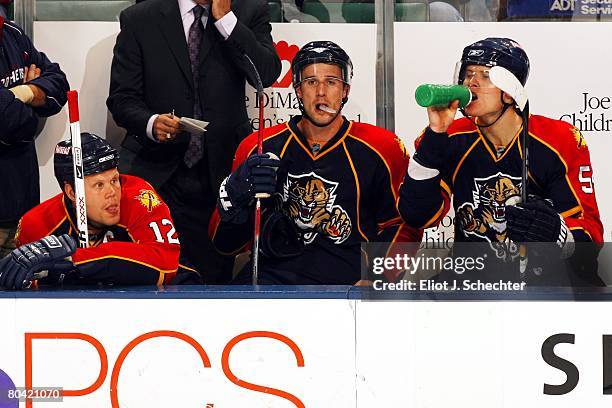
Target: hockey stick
<point x="258" y="196"/>
<point x="507" y="82"/>
<point x="523" y="259"/>
<point x="79" y="181"/>
<point x="79" y="173"/>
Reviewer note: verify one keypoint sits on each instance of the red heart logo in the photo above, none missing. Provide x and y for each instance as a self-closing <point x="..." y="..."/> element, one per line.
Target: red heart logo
<point x="286" y="53"/>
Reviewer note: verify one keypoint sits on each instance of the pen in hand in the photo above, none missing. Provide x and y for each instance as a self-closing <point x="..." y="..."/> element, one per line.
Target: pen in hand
<point x="168" y="135"/>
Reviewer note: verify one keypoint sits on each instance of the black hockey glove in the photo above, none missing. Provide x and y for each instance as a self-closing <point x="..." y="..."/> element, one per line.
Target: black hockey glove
<point x="256" y="175"/>
<point x="432" y="151"/>
<point x="280" y="238"/>
<point x="537" y="221"/>
<point x="18" y="269"/>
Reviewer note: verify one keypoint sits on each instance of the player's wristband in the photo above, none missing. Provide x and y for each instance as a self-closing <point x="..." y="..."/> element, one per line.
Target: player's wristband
<point x="23" y="92"/>
<point x="418" y="172"/>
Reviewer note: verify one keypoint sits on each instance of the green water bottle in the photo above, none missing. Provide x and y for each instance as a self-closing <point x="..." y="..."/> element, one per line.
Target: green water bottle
<point x="442" y="95"/>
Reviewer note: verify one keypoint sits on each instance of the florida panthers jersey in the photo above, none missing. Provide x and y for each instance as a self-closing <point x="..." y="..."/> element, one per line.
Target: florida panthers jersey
<point x="483" y="180"/>
<point x="339" y="197"/>
<point x="142" y="248"/>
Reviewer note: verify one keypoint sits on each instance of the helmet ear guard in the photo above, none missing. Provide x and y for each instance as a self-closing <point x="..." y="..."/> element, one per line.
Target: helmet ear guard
<point x="508" y="63"/>
<point x="508" y="83"/>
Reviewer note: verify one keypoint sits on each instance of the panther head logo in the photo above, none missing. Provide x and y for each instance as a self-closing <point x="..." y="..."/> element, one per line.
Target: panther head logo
<point x="310" y="202"/>
<point x="485" y="217"/>
<point x="495" y="194"/>
<point x="311" y="195"/>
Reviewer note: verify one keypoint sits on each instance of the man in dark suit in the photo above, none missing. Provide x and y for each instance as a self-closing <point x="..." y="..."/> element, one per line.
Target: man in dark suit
<point x="186" y="58"/>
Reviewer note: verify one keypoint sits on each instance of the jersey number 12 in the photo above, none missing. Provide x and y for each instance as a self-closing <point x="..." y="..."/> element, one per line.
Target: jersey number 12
<point x="170" y="235"/>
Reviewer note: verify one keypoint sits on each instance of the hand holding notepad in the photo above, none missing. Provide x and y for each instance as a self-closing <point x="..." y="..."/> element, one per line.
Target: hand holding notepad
<point x="193" y="126"/>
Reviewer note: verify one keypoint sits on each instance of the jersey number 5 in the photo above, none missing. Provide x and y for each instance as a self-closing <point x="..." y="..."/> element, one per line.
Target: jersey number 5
<point x="170" y="235"/>
<point x="586" y="179"/>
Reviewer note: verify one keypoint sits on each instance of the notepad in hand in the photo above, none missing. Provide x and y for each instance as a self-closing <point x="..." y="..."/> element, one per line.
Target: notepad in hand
<point x="193" y="126"/>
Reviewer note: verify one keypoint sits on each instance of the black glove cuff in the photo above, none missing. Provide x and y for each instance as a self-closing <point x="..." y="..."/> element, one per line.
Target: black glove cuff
<point x="433" y="149"/>
<point x="231" y="204"/>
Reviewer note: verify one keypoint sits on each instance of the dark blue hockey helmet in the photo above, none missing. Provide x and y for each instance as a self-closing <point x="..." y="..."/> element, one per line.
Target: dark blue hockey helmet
<point x="493" y="51"/>
<point x="321" y="52"/>
<point x="98" y="156"/>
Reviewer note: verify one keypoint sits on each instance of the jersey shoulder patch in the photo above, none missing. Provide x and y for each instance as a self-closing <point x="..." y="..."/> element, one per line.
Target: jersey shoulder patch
<point x="138" y="197"/>
<point x="558" y="135"/>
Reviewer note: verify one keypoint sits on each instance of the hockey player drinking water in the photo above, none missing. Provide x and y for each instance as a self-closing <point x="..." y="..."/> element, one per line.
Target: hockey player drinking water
<point x="333" y="182"/>
<point x="478" y="160"/>
<point x="132" y="239"/>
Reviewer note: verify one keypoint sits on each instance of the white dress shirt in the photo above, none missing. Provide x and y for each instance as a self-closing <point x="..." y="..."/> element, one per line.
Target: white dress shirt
<point x="225" y="25"/>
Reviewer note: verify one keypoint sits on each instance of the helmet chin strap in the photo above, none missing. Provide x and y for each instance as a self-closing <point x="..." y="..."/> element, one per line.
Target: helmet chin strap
<point x="509" y="84"/>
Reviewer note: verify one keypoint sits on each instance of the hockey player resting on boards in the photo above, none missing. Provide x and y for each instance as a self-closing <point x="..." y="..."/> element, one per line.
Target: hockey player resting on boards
<point x="478" y="161"/>
<point x="132" y="240"/>
<point x="333" y="182"/>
